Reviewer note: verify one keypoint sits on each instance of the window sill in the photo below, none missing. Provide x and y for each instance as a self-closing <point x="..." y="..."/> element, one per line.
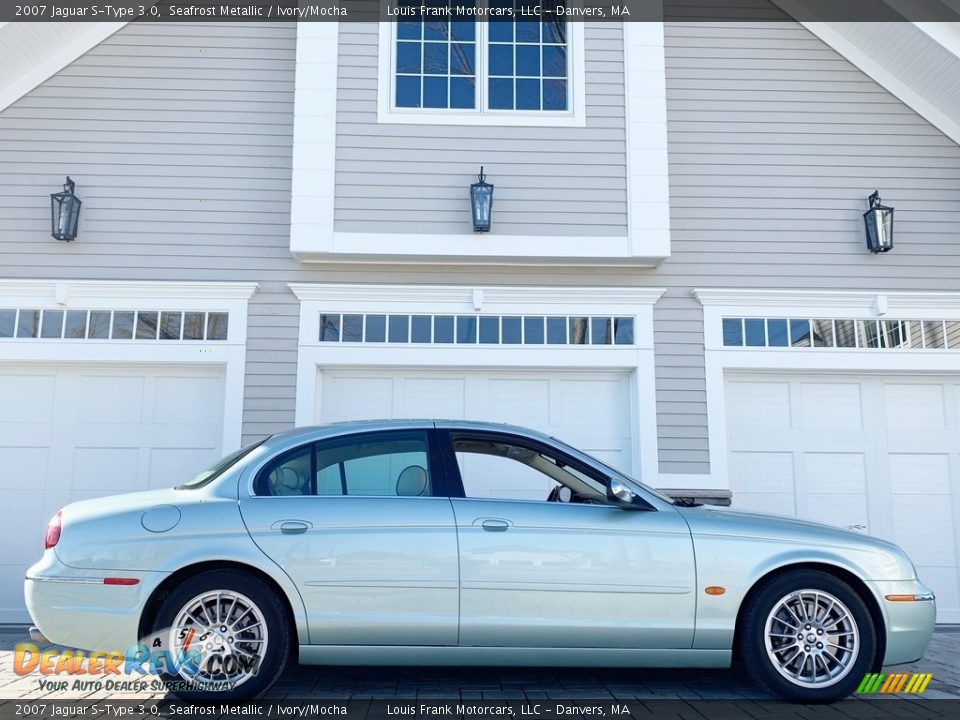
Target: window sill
<point x="473" y="248"/>
<point x="512" y="118"/>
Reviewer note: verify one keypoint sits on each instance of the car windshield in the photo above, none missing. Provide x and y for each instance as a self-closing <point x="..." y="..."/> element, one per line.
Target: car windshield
<point x="220" y="467"/>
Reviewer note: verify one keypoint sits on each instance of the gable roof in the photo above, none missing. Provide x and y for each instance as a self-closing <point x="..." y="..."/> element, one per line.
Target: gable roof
<point x="32" y="52"/>
<point x="917" y="62"/>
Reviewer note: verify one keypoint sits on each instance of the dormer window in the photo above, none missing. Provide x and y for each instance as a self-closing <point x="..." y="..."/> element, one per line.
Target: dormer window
<point x="481" y="71"/>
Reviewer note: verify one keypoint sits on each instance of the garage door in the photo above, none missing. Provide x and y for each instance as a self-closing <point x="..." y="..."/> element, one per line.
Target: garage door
<point x="591" y="411"/>
<point x="879" y="454"/>
<point x="74" y="434"/>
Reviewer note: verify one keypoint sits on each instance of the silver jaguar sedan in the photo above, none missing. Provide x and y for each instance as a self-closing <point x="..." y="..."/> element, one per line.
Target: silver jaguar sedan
<point x="422" y="542"/>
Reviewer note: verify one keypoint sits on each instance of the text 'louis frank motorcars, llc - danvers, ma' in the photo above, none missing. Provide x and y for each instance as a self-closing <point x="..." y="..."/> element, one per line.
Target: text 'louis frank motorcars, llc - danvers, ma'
<point x="431" y="542"/>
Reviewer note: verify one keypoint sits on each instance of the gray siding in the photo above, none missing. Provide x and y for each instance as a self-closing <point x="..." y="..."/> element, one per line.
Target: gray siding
<point x="549" y="181"/>
<point x="775" y="142"/>
<point x="179" y="137"/>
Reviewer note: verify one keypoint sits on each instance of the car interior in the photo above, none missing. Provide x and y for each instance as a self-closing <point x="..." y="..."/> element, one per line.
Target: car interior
<point x="571" y="485"/>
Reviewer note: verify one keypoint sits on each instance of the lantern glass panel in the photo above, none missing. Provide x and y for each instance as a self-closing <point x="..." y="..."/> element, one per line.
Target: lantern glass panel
<point x="481" y="202"/>
<point x="879" y="227"/>
<point x="64" y="215"/>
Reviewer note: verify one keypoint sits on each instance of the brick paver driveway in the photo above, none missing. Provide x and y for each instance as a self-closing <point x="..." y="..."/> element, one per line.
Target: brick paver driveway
<point x="303" y="682"/>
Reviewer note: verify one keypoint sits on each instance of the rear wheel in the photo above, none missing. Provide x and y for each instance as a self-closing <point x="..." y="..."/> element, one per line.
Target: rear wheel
<point x="226" y="635"/>
<point x="808" y="637"/>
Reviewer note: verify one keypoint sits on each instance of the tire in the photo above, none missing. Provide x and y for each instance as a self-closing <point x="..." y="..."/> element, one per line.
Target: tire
<point x="237" y="664"/>
<point x="807" y="636"/>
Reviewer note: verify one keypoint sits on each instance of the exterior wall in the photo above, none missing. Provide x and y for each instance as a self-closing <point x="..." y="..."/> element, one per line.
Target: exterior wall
<point x="179" y="138"/>
<point x="549" y="181"/>
<point x="775" y="142"/>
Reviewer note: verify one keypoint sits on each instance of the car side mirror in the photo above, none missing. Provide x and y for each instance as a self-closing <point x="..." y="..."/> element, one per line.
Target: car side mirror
<point x="619" y="493"/>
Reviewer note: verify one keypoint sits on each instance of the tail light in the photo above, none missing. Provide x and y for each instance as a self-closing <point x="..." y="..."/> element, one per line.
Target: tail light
<point x="52" y="536"/>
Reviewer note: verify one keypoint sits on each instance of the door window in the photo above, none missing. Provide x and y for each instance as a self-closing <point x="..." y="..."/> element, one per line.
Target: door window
<point x="496" y="468"/>
<point x="375" y="464"/>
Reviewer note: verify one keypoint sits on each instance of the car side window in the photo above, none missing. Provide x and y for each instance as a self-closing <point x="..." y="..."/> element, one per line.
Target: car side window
<point x="394" y="463"/>
<point x="288" y="474"/>
<point x="507" y="469"/>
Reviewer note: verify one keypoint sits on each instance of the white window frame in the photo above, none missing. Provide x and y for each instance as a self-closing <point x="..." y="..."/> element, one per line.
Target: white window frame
<point x="230" y="354"/>
<point x="719" y="360"/>
<point x="575" y="116"/>
<point x="314" y="356"/>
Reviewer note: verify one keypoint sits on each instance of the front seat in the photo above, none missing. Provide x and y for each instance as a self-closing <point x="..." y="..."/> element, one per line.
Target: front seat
<point x="412" y="481"/>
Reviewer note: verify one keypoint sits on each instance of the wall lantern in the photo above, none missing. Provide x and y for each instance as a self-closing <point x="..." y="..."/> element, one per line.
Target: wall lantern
<point x="65" y="213"/>
<point x="879" y="223"/>
<point x="481" y="203"/>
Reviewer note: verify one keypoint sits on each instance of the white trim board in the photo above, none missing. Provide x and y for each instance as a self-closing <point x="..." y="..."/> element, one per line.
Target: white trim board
<point x="638" y="359"/>
<point x="314" y="138"/>
<point x="231" y="354"/>
<point x="719" y="360"/>
<point x="648" y="187"/>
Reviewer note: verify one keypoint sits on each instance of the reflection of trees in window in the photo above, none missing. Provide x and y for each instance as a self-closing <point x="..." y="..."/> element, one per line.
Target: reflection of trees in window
<point x="217" y="326"/>
<point x="99" y="324"/>
<point x="147" y="325"/>
<point x="330" y="328"/>
<point x="578" y="330"/>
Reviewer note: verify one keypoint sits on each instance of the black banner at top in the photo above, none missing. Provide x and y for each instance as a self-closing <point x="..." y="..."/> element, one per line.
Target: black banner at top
<point x="481" y="10"/>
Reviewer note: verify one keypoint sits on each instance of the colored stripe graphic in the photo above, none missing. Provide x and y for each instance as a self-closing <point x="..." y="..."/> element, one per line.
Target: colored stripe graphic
<point x="914" y="683"/>
<point x="894" y="683"/>
<point x="866" y="682"/>
<point x="903" y="681"/>
<point x="891" y="681"/>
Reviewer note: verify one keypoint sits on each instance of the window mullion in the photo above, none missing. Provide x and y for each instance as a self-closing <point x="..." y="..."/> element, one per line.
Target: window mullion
<point x="483" y="51"/>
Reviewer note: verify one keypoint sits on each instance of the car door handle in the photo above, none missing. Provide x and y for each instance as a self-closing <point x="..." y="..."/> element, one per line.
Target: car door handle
<point x="491" y="525"/>
<point x="292" y="527"/>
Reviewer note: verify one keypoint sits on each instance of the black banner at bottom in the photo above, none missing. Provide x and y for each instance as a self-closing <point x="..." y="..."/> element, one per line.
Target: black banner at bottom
<point x="540" y="709"/>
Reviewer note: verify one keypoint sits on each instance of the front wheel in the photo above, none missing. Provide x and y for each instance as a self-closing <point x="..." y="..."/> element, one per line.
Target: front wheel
<point x="808" y="637"/>
<point x="226" y="637"/>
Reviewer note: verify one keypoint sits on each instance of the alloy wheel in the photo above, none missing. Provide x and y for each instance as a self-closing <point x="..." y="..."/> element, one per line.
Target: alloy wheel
<point x="811" y="638"/>
<point x="219" y="638"/>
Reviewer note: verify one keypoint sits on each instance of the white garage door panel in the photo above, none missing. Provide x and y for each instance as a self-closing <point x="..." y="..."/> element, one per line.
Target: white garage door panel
<point x="590" y="410"/>
<point x="879" y="452"/>
<point x="74" y="434"/>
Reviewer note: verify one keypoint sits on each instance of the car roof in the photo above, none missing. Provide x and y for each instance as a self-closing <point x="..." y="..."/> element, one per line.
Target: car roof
<point x="356" y="426"/>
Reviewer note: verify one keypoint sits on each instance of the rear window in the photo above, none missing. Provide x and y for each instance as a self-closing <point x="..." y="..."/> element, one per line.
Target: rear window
<point x="220" y="467"/>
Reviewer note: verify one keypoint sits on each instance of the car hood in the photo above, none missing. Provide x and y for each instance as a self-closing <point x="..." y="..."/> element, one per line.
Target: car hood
<point x="706" y="520"/>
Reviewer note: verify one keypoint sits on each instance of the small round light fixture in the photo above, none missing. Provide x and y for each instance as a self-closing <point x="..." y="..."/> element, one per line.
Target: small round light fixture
<point x="879" y="225"/>
<point x="65" y="213"/>
<point x="481" y="203"/>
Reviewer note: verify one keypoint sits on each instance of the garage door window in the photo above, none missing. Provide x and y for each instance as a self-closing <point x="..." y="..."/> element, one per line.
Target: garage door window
<point x="476" y="329"/>
<point x="55" y="324"/>
<point x="868" y="334"/>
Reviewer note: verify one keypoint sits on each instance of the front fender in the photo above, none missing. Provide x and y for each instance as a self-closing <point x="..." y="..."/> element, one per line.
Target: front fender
<point x="737" y="564"/>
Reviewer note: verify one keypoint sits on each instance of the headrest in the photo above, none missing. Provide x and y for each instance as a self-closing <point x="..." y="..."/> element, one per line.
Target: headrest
<point x="412" y="481"/>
